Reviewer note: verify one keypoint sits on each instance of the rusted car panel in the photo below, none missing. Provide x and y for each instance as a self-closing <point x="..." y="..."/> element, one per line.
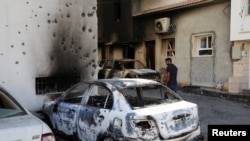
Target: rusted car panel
<point x="126" y="68"/>
<point x="123" y="109"/>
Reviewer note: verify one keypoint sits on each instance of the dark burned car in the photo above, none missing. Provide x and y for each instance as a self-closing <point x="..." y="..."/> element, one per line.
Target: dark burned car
<point x="123" y="109"/>
<point x="126" y="68"/>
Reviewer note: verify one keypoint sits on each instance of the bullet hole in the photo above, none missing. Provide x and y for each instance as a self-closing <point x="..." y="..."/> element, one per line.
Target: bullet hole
<point x="17" y="62"/>
<point x="94" y="8"/>
<point x="19" y="32"/>
<point x="94" y="50"/>
<point x="93" y="73"/>
<point x="79" y="48"/>
<point x="49" y="21"/>
<point x="68" y="15"/>
<point x="86" y="55"/>
<point x="93" y="37"/>
<point x="26" y="25"/>
<point x="83" y="14"/>
<point x="52" y="58"/>
<point x="67" y="5"/>
<point x="62" y="43"/>
<point x="55" y="20"/>
<point x="80" y="58"/>
<point x="54" y="34"/>
<point x="12" y="46"/>
<point x="38" y="25"/>
<point x="2" y="54"/>
<point x="94" y="66"/>
<point x="83" y="28"/>
<point x="48" y="14"/>
<point x="90" y="30"/>
<point x="23" y="44"/>
<point x="3" y="82"/>
<point x="90" y="14"/>
<point x="24" y="53"/>
<point x="40" y="6"/>
<point x="76" y="52"/>
<point x="6" y="25"/>
<point x="35" y="15"/>
<point x="27" y="2"/>
<point x="64" y="48"/>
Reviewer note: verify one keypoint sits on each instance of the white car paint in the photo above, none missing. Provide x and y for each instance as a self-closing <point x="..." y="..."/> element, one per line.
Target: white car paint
<point x="18" y="124"/>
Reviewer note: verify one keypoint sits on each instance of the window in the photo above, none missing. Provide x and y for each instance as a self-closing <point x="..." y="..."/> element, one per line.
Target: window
<point x="205" y="46"/>
<point x="46" y="85"/>
<point x="202" y="45"/>
<point x="169" y="47"/>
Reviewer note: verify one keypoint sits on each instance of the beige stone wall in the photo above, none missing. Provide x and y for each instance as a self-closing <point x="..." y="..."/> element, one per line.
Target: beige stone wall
<point x="240" y="78"/>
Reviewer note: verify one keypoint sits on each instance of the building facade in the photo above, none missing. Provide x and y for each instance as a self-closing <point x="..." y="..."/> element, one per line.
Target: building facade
<point x="194" y="33"/>
<point x="240" y="37"/>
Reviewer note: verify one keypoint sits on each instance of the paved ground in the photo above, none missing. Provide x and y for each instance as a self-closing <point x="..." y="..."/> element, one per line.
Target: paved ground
<point x="219" y="111"/>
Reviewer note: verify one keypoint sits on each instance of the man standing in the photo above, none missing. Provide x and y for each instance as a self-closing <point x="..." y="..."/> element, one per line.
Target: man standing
<point x="171" y="74"/>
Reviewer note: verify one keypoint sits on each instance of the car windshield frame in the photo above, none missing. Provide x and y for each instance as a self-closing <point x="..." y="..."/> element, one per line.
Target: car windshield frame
<point x="9" y="106"/>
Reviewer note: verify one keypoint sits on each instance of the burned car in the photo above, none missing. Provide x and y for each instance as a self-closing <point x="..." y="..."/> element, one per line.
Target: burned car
<point x="126" y="68"/>
<point x="123" y="109"/>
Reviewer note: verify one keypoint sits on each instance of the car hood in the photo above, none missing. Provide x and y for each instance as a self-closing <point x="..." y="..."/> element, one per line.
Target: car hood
<point x="144" y="71"/>
<point x="22" y="128"/>
<point x="171" y="119"/>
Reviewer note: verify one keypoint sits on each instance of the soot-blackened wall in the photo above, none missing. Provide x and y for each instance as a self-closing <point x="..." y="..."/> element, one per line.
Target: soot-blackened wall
<point x="45" y="38"/>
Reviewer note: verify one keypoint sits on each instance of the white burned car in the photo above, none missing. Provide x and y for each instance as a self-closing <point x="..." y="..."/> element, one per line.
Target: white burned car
<point x="126" y="68"/>
<point x="18" y="124"/>
<point x="123" y="109"/>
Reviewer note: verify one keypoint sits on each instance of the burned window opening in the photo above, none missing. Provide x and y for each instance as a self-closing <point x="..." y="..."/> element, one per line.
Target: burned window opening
<point x="46" y="85"/>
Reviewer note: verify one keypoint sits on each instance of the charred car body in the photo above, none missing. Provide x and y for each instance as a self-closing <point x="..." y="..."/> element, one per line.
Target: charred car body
<point x="123" y="109"/>
<point x="126" y="68"/>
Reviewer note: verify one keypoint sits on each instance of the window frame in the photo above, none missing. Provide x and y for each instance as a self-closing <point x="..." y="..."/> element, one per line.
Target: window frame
<point x="198" y="46"/>
<point x="169" y="47"/>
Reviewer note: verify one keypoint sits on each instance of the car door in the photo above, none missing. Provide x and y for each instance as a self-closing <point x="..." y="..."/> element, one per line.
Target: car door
<point x="95" y="114"/>
<point x="67" y="109"/>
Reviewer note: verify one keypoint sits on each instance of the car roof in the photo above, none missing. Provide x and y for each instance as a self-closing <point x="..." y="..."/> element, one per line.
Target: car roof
<point x="128" y="82"/>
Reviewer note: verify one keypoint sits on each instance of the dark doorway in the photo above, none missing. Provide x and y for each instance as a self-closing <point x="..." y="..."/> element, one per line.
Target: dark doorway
<point x="128" y="52"/>
<point x="150" y="55"/>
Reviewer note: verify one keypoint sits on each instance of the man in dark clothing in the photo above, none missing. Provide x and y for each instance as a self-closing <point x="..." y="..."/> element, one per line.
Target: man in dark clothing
<point x="171" y="74"/>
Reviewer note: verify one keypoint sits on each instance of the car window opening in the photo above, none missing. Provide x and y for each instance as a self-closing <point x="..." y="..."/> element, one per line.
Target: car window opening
<point x="139" y="97"/>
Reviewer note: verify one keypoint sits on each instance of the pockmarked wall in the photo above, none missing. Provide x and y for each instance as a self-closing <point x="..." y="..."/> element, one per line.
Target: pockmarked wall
<point x="45" y="38"/>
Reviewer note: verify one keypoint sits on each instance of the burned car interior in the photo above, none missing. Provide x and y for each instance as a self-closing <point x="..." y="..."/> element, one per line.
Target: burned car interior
<point x="139" y="97"/>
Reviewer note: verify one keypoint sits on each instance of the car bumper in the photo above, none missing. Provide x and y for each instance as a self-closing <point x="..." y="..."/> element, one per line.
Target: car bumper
<point x="193" y="136"/>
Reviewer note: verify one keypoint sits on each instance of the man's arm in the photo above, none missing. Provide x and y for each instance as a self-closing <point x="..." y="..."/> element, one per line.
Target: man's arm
<point x="167" y="78"/>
